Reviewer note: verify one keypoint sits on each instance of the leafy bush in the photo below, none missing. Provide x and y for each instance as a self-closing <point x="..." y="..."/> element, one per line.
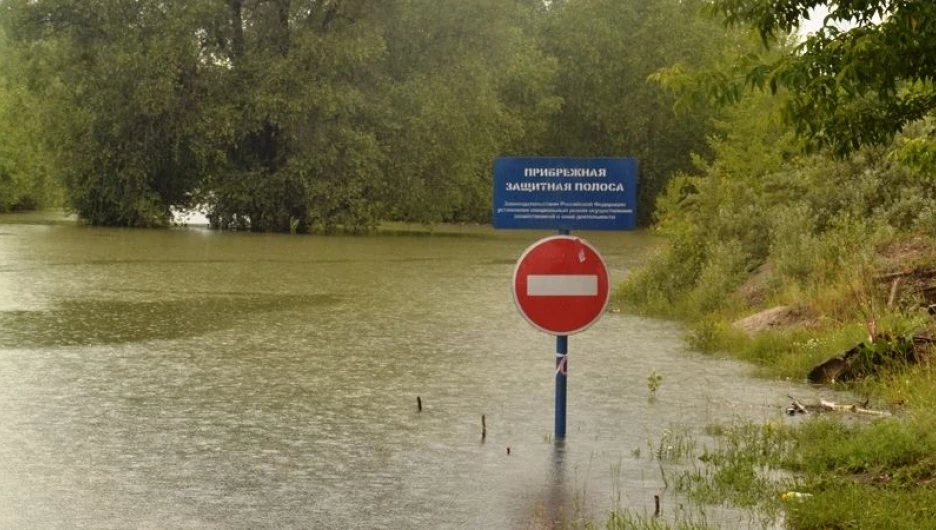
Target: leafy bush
<point x="816" y="218"/>
<point x="724" y="270"/>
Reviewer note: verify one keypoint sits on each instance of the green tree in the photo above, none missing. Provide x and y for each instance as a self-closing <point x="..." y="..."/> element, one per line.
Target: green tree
<point x="120" y="87"/>
<point x="306" y="115"/>
<point x="343" y="114"/>
<point x="859" y="79"/>
<point x="468" y="82"/>
<point x="25" y="165"/>
<point x="298" y="96"/>
<point x="606" y="50"/>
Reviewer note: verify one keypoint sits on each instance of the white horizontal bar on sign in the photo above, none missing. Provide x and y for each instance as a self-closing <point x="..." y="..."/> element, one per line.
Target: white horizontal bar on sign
<point x="562" y="285"/>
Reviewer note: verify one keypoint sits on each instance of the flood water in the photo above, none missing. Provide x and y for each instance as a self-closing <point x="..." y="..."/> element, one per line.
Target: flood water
<point x="194" y="379"/>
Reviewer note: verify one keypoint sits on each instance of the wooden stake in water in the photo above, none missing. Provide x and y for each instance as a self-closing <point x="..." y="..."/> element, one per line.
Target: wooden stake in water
<point x="419" y="404"/>
<point x="483" y="427"/>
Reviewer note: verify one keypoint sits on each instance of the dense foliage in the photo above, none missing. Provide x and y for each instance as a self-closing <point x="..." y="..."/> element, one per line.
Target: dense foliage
<point x="312" y="115"/>
<point x="25" y="176"/>
<point x="813" y="219"/>
<point x="860" y="88"/>
<point x="858" y="80"/>
<point x="607" y="49"/>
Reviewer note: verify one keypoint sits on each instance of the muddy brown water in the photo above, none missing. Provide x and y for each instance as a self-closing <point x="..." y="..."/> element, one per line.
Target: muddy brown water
<point x="194" y="379"/>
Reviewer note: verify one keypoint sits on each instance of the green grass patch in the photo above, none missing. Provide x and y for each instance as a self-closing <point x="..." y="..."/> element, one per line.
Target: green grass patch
<point x="823" y="473"/>
<point x="740" y="469"/>
<point x="846" y="504"/>
<point x="781" y="354"/>
<point x="835" y="470"/>
<point x="676" y="443"/>
<point x="624" y="520"/>
<point x="880" y="448"/>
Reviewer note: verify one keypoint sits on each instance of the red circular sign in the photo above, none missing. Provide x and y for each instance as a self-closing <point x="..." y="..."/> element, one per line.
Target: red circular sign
<point x="560" y="285"/>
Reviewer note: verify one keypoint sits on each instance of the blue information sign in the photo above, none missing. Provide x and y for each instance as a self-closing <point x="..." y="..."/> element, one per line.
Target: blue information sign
<point x="565" y="193"/>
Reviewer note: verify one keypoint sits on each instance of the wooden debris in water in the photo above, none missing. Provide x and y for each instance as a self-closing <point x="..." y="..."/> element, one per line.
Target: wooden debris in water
<point x="418" y="404"/>
<point x="796" y="407"/>
<point x="828" y="405"/>
<point x="484" y="428"/>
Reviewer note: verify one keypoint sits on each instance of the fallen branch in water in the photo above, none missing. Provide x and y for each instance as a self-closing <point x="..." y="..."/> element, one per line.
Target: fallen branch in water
<point x="828" y="405"/>
<point x="796" y="407"/>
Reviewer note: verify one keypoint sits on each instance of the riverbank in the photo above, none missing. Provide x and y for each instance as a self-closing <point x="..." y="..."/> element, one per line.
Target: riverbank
<point x="834" y="469"/>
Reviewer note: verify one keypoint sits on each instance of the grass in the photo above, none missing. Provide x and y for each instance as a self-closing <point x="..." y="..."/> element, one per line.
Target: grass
<point x="676" y="443"/>
<point x="780" y="354"/>
<point x="857" y="473"/>
<point x="822" y="473"/>
<point x="838" y="471"/>
<point x="878" y="449"/>
<point x="629" y="521"/>
<point x="654" y="380"/>
<point x="739" y="469"/>
<point x="836" y="474"/>
<point x="877" y="478"/>
<point x="849" y="505"/>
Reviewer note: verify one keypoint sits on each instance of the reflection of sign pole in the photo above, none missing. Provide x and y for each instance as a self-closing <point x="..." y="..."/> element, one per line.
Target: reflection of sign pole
<point x="560" y="283"/>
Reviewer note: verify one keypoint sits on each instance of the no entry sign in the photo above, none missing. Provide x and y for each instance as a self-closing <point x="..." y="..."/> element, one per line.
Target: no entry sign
<point x="560" y="285"/>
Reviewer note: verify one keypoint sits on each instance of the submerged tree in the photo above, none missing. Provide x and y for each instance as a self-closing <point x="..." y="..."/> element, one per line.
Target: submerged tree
<point x="283" y="114"/>
<point x="298" y="84"/>
<point x="25" y="160"/>
<point x="313" y="115"/>
<point x="121" y="87"/>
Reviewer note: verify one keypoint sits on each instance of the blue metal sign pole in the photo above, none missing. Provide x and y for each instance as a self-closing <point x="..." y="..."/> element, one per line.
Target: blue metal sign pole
<point x="562" y="369"/>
